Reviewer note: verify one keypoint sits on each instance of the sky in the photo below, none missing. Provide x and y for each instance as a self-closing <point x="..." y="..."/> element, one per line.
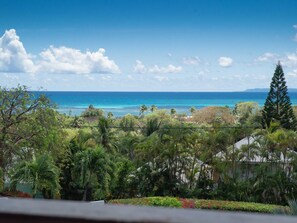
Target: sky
<point x="147" y="45"/>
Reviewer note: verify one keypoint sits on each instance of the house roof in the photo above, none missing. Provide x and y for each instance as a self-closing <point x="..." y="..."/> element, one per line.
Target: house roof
<point x="254" y="158"/>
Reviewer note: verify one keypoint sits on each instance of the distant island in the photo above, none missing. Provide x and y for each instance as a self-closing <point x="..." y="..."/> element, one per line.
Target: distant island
<point x="267" y="89"/>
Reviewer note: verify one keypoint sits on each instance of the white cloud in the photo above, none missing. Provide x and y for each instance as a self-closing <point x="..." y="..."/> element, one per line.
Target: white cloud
<point x="267" y="57"/>
<point x="191" y="60"/>
<point x="225" y="61"/>
<point x="14" y="58"/>
<point x="292" y="58"/>
<point x="205" y="71"/>
<point x="165" y="70"/>
<point x="69" y="60"/>
<point x="11" y="76"/>
<point x="295" y="26"/>
<point x="140" y="68"/>
<point x="106" y="78"/>
<point x="289" y="60"/>
<point x="161" y="78"/>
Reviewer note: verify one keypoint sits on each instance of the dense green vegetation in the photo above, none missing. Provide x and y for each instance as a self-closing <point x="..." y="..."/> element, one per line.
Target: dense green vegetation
<point x="157" y="153"/>
<point x="203" y="204"/>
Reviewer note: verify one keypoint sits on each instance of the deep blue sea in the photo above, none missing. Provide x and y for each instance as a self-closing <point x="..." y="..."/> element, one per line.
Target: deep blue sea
<point x="121" y="103"/>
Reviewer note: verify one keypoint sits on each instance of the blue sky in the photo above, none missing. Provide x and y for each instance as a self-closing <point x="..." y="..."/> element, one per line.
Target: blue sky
<point x="147" y="45"/>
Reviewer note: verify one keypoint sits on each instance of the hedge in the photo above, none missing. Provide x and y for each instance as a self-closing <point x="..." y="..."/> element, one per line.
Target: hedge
<point x="200" y="204"/>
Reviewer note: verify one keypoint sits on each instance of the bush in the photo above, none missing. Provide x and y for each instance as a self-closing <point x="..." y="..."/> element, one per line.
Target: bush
<point x="236" y="206"/>
<point x="92" y="112"/>
<point x="164" y="202"/>
<point x="200" y="204"/>
<point x="150" y="201"/>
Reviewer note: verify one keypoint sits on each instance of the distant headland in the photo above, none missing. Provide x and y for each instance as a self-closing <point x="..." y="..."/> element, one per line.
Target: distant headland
<point x="267" y="89"/>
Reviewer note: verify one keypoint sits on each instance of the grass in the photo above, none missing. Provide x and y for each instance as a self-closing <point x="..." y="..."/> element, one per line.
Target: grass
<point x="200" y="204"/>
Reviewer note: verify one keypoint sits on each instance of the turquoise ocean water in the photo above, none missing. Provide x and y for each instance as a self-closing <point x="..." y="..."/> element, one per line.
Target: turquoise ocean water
<point x="121" y="103"/>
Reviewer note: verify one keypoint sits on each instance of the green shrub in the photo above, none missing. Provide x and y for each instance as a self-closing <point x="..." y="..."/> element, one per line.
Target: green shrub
<point x="164" y="202"/>
<point x="92" y="112"/>
<point x="201" y="204"/>
<point x="150" y="201"/>
<point x="236" y="206"/>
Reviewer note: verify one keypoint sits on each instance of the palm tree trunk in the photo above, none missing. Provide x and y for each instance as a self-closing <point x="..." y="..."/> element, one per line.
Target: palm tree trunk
<point x="85" y="194"/>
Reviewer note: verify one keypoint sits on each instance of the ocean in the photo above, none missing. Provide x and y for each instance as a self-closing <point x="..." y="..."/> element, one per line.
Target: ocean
<point x="122" y="103"/>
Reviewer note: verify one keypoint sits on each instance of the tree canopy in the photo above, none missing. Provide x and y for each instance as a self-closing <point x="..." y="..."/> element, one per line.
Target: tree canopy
<point x="27" y="123"/>
<point x="277" y="106"/>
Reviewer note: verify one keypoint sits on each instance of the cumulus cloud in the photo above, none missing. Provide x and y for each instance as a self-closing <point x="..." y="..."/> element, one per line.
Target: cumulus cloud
<point x="191" y="60"/>
<point x="225" y="61"/>
<point x="290" y="60"/>
<point x="295" y="26"/>
<point x="14" y="58"/>
<point x="69" y="60"/>
<point x="140" y="68"/>
<point x="267" y="57"/>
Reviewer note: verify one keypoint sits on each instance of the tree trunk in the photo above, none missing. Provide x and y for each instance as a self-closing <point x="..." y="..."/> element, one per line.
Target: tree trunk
<point x="2" y="150"/>
<point x="85" y="192"/>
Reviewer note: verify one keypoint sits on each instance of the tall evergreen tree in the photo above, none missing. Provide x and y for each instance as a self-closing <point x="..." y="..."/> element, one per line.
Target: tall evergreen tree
<point x="277" y="106"/>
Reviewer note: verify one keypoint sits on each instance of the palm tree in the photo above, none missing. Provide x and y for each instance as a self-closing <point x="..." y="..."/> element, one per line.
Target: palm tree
<point x="152" y="125"/>
<point x="128" y="123"/>
<point x="192" y="110"/>
<point x="106" y="134"/>
<point x="41" y="173"/>
<point x="172" y="111"/>
<point x="128" y="142"/>
<point x="153" y="108"/>
<point x="77" y="122"/>
<point x="142" y="109"/>
<point x="110" y="115"/>
<point x="91" y="165"/>
<point x="174" y="155"/>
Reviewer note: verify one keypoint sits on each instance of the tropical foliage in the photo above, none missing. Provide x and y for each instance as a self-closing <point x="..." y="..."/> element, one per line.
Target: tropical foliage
<point x="41" y="173"/>
<point x="157" y="153"/>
